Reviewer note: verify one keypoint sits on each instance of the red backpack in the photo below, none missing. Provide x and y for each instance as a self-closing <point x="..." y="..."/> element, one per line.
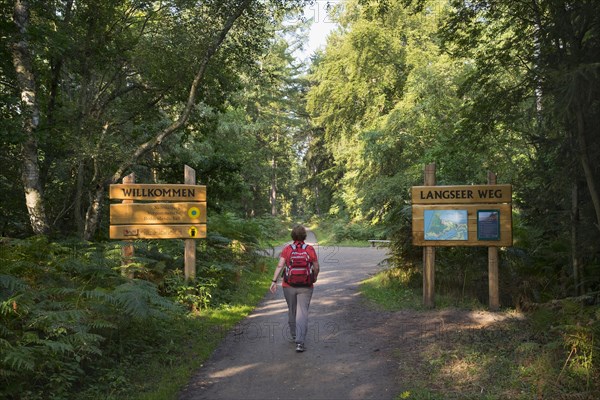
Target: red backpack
<point x="298" y="270"/>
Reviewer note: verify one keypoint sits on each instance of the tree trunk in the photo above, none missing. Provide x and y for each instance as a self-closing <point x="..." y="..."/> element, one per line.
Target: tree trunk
<point x="586" y="164"/>
<point x="273" y="193"/>
<point x="93" y="211"/>
<point x="34" y="196"/>
<point x="78" y="201"/>
<point x="574" y="237"/>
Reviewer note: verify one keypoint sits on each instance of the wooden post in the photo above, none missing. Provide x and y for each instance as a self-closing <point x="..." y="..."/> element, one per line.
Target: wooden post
<point x="429" y="252"/>
<point x="127" y="251"/>
<point x="189" y="175"/>
<point x="494" y="293"/>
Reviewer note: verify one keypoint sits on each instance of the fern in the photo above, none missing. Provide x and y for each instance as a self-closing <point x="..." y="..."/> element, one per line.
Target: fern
<point x="69" y="318"/>
<point x="139" y="299"/>
<point x="19" y="359"/>
<point x="12" y="283"/>
<point x="55" y="346"/>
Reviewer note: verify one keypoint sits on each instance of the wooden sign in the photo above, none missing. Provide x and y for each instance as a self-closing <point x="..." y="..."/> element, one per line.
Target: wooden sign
<point x="158" y="192"/>
<point x="180" y="231"/>
<point x="462" y="225"/>
<point x="158" y="213"/>
<point x="464" y="194"/>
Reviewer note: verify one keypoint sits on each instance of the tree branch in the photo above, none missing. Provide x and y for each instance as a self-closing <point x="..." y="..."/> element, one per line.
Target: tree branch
<point x="185" y="114"/>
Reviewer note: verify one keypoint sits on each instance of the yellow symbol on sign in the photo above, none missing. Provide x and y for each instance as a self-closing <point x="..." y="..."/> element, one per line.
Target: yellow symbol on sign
<point x="194" y="212"/>
<point x="193" y="231"/>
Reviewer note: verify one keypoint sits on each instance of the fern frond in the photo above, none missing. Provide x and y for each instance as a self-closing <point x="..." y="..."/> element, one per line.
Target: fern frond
<point x="5" y="373"/>
<point x="61" y="291"/>
<point x="56" y="347"/>
<point x="85" y="342"/>
<point x="138" y="298"/>
<point x="12" y="283"/>
<point x="19" y="359"/>
<point x="101" y="324"/>
<point x="47" y="319"/>
<point x="131" y="298"/>
<point x="99" y="294"/>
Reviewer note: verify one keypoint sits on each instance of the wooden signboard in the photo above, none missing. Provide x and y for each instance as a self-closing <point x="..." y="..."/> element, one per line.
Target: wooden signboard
<point x="158" y="213"/>
<point x="158" y="192"/>
<point x="179" y="231"/>
<point x="465" y="194"/>
<point x="462" y="225"/>
<point x="167" y="211"/>
<point x="463" y="215"/>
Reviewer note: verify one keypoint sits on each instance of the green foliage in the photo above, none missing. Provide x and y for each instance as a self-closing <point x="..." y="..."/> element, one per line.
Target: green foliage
<point x="59" y="303"/>
<point x="106" y="82"/>
<point x="336" y="231"/>
<point x="74" y="327"/>
<point x="475" y="87"/>
<point x="194" y="295"/>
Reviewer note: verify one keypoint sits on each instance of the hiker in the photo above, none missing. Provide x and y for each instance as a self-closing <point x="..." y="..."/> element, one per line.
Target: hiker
<point x="300" y="272"/>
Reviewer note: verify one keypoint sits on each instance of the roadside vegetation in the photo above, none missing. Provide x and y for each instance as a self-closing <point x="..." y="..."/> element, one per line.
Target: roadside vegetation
<point x="74" y="327"/>
<point x="341" y="232"/>
<point x="546" y="352"/>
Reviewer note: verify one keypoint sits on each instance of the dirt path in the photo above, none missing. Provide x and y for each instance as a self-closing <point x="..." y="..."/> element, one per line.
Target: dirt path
<point x="354" y="351"/>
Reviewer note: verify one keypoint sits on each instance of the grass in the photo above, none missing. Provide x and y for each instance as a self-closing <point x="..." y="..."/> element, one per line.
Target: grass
<point x="390" y="291"/>
<point x="533" y="356"/>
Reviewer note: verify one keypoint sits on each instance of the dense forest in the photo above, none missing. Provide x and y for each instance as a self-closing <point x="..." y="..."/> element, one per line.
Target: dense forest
<point x="91" y="91"/>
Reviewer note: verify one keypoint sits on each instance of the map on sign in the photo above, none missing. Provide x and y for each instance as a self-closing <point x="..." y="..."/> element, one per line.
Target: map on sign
<point x="445" y="225"/>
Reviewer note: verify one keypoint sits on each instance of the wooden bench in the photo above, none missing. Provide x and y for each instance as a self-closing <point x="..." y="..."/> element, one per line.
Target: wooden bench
<point x="378" y="241"/>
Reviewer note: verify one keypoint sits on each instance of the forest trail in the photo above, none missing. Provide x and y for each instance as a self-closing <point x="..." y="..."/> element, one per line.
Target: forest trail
<point x="354" y="350"/>
<point x="258" y="361"/>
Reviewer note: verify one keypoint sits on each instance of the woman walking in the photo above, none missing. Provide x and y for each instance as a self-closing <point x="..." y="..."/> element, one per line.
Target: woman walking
<point x="301" y="271"/>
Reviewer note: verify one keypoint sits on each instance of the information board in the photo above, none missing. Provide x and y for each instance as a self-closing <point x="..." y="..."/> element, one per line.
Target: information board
<point x="157" y="192"/>
<point x="488" y="224"/>
<point x="443" y="225"/>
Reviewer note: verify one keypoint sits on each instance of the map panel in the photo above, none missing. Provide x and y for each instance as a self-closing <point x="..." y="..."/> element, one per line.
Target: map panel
<point x="445" y="225"/>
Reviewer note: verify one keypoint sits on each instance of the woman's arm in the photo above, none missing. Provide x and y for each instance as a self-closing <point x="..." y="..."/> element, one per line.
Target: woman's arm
<point x="280" y="265"/>
<point x="316" y="268"/>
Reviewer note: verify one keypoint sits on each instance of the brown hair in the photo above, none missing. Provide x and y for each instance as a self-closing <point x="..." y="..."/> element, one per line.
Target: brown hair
<point x="298" y="233"/>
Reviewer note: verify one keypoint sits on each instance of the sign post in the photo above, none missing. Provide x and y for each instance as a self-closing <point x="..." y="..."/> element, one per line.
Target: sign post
<point x="494" y="293"/>
<point x="429" y="252"/>
<point x="127" y="251"/>
<point x="190" y="244"/>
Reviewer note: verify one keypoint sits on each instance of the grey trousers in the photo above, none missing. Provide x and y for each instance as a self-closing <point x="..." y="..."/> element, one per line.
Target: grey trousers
<point x="298" y="301"/>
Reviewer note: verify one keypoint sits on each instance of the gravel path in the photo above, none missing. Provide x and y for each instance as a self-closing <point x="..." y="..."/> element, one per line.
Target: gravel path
<point x="348" y="356"/>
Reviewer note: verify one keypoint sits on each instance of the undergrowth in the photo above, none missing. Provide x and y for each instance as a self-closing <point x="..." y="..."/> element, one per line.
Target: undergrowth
<point x="75" y="327"/>
<point x="549" y="352"/>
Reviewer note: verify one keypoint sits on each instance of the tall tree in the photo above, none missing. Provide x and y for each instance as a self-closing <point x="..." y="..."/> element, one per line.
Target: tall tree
<point x="554" y="46"/>
<point x="93" y="211"/>
<point x="29" y="107"/>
